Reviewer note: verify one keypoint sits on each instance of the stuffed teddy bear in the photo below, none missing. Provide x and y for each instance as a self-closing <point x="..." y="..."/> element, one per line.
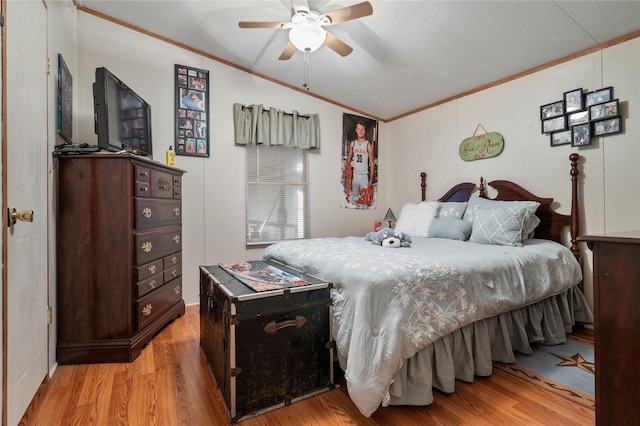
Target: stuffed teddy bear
<point x="388" y="237"/>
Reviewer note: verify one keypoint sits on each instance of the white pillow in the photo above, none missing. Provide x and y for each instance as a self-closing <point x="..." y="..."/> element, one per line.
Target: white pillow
<point x="531" y="222"/>
<point x="415" y="218"/>
<point x="499" y="226"/>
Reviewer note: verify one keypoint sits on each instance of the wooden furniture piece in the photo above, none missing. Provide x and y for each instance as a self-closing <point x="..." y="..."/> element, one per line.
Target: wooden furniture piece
<point x="616" y="295"/>
<point x="266" y="349"/>
<point x="119" y="255"/>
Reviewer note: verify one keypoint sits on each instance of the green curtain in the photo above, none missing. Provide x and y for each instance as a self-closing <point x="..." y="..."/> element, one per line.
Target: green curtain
<point x="254" y="124"/>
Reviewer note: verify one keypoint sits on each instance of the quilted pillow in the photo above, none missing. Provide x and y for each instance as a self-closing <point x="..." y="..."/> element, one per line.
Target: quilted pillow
<point x="499" y="226"/>
<point x="450" y="228"/>
<point x="452" y="209"/>
<point x="531" y="221"/>
<point x="415" y="218"/>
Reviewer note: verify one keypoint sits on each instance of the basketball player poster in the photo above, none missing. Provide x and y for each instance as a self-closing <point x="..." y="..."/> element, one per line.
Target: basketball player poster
<point x="359" y="162"/>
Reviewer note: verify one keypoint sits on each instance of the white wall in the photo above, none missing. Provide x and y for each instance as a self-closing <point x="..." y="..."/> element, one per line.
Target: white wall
<point x="62" y="38"/>
<point x="429" y="140"/>
<point x="213" y="188"/>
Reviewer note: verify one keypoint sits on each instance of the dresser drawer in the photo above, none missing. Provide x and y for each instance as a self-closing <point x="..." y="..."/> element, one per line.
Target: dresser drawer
<point x="149" y="284"/>
<point x="153" y="212"/>
<point x="172" y="260"/>
<point x="154" y="183"/>
<point x="153" y="245"/>
<point x="155" y="303"/>
<point x="172" y="273"/>
<point x="146" y="270"/>
<point x="177" y="187"/>
<point x="161" y="184"/>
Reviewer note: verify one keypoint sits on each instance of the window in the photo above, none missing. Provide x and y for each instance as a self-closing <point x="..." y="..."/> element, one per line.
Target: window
<point x="277" y="194"/>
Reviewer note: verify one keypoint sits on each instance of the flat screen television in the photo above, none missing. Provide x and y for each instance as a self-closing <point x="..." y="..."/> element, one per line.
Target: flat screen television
<point x="122" y="117"/>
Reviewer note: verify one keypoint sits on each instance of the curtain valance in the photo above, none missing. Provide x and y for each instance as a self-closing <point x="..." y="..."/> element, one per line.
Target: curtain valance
<point x="254" y="124"/>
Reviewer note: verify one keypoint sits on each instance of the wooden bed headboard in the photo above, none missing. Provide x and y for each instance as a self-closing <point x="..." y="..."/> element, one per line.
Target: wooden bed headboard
<point x="552" y="223"/>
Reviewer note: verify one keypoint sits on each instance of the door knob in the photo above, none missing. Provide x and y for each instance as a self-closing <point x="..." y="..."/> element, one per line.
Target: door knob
<point x="24" y="216"/>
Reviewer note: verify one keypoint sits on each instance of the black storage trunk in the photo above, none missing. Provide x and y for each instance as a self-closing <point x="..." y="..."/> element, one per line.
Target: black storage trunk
<point x="265" y="349"/>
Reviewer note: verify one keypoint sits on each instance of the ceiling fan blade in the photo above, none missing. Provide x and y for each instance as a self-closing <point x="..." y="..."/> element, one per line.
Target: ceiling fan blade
<point x="337" y="45"/>
<point x="260" y="24"/>
<point x="300" y="5"/>
<point x="287" y="52"/>
<point x="349" y="13"/>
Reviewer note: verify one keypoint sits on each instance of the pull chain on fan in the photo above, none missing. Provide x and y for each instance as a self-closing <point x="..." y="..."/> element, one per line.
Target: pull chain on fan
<point x="306" y="71"/>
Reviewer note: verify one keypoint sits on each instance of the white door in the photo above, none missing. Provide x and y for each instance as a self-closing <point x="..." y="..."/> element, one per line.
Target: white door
<point x="26" y="189"/>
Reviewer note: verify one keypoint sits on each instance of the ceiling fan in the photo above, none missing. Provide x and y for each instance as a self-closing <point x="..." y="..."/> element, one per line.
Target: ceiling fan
<point x="306" y="32"/>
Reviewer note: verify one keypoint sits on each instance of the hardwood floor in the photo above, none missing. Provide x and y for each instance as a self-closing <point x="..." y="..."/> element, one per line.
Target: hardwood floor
<point x="170" y="384"/>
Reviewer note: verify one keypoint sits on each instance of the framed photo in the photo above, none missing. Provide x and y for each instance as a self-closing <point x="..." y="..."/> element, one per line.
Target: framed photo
<point x="552" y="110"/>
<point x="608" y="126"/>
<point x="65" y="101"/>
<point x="599" y="96"/>
<point x="579" y="117"/>
<point x="581" y="135"/>
<point x="612" y="109"/>
<point x="604" y="110"/>
<point x="192" y="111"/>
<point x="596" y="112"/>
<point x="554" y="124"/>
<point x="561" y="138"/>
<point x="573" y="101"/>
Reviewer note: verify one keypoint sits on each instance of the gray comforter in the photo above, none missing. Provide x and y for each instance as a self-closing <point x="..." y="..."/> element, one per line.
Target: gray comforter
<point x="389" y="303"/>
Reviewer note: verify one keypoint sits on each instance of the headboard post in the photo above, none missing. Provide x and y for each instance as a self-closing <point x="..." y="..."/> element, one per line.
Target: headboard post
<point x="575" y="217"/>
<point x="423" y="185"/>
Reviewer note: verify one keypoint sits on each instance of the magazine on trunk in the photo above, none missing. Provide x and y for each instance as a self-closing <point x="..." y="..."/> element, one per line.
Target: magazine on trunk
<point x="263" y="276"/>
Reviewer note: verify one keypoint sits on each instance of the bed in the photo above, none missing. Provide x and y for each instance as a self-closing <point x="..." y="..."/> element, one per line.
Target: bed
<point x="408" y="320"/>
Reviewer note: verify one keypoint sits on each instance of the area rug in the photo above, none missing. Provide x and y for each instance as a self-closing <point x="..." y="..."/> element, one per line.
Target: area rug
<point x="567" y="369"/>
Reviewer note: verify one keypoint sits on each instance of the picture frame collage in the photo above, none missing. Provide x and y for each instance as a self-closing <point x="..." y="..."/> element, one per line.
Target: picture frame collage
<point x="579" y="117"/>
<point x="192" y="112"/>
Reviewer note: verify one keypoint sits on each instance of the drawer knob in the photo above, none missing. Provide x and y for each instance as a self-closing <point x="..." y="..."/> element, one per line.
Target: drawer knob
<point x="163" y="184"/>
<point x="152" y="284"/>
<point x="147" y="247"/>
<point x="174" y="273"/>
<point x="146" y="212"/>
<point x="174" y="260"/>
<point x="176" y="239"/>
<point x="146" y="311"/>
<point x="144" y="189"/>
<point x="152" y="269"/>
<point x="176" y="290"/>
<point x="176" y="211"/>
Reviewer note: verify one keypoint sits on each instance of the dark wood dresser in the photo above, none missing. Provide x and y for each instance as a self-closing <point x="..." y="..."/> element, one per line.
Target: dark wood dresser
<point x="616" y="299"/>
<point x="119" y="258"/>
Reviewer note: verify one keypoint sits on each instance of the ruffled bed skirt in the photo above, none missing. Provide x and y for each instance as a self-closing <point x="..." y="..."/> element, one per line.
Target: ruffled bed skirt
<point x="471" y="350"/>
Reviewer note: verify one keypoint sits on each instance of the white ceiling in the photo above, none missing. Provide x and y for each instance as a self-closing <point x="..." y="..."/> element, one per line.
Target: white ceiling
<point x="407" y="54"/>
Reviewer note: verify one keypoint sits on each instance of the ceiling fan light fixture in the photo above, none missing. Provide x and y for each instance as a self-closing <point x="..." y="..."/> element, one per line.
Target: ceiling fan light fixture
<point x="307" y="37"/>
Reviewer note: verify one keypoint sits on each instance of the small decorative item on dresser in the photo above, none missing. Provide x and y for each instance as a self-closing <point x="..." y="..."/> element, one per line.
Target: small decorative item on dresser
<point x="171" y="156"/>
<point x="389" y="217"/>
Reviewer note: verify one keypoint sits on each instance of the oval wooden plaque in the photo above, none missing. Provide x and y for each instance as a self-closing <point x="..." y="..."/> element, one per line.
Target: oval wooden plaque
<point x="481" y="146"/>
